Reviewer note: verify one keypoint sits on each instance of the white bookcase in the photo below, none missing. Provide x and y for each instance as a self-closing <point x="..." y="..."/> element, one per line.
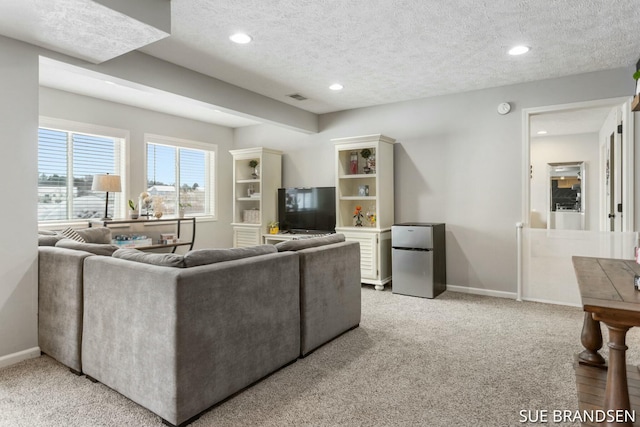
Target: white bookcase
<point x="255" y="193"/>
<point x="371" y="188"/>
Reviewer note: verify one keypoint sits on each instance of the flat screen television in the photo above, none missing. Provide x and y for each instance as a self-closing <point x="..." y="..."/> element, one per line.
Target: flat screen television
<point x="307" y="210"/>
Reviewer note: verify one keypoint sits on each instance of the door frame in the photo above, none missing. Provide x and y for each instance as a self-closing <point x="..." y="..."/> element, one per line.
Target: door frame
<point x="627" y="149"/>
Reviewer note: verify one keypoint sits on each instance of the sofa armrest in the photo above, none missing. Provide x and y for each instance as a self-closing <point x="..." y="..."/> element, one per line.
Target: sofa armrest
<point x="178" y="340"/>
<point x="60" y="303"/>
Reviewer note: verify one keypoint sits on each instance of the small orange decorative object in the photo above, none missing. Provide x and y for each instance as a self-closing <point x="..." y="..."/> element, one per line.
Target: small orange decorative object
<point x="357" y="214"/>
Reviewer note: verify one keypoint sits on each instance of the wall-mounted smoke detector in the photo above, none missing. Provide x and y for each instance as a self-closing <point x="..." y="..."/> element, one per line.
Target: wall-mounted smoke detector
<point x="297" y="97"/>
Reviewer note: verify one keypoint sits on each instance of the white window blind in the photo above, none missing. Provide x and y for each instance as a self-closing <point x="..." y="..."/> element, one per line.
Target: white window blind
<point x="181" y="176"/>
<point x="67" y="162"/>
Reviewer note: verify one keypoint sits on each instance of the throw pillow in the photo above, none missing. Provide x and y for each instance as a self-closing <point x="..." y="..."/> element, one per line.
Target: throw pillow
<point x="212" y="256"/>
<point x="95" y="234"/>
<point x="297" y="245"/>
<point x="70" y="233"/>
<point x="163" y="260"/>
<point x="94" y="248"/>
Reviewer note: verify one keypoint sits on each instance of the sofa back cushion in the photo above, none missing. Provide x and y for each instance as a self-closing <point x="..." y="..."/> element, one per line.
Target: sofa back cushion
<point x="163" y="260"/>
<point x="212" y="256"/>
<point x="297" y="245"/>
<point x="94" y="248"/>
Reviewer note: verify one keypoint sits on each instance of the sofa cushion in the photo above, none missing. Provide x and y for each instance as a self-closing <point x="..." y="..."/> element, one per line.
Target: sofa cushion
<point x="163" y="260"/>
<point x="95" y="234"/>
<point x="297" y="245"/>
<point x="49" y="239"/>
<point x="212" y="256"/>
<point x="94" y="248"/>
<point x="70" y="233"/>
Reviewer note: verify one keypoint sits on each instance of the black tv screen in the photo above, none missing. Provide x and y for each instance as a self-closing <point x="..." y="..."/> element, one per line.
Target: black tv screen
<point x="307" y="210"/>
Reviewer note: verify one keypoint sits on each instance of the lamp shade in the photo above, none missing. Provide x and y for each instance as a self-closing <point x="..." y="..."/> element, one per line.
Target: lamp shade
<point x="106" y="182"/>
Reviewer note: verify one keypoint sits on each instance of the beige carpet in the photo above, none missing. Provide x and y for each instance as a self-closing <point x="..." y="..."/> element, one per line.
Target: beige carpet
<point x="457" y="360"/>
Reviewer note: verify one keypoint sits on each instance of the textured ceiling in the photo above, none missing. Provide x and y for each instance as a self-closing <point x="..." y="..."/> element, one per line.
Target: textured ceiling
<point x="385" y="51"/>
<point x="382" y="51"/>
<point x="81" y="28"/>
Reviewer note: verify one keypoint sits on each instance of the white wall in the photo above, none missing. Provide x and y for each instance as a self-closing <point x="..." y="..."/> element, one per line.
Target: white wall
<point x="565" y="148"/>
<point x="456" y="161"/>
<point x="68" y="106"/>
<point x="19" y="177"/>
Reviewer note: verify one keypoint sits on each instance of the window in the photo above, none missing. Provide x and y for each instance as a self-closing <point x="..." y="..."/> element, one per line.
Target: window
<point x="67" y="161"/>
<point x="181" y="175"/>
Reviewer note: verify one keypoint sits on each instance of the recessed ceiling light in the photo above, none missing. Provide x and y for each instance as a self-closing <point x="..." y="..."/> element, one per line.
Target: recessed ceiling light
<point x="519" y="50"/>
<point x="240" y="38"/>
<point x="336" y="86"/>
<point x="542" y="132"/>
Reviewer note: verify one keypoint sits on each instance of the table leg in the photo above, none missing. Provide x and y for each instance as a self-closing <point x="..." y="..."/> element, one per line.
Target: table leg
<point x="592" y="341"/>
<point x="616" y="395"/>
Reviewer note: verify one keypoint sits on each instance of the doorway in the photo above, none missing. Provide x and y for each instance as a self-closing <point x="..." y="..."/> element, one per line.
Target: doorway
<point x="545" y="270"/>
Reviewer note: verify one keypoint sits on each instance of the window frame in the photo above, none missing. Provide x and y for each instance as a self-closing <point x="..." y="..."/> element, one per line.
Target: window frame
<point x="122" y="164"/>
<point x="211" y="175"/>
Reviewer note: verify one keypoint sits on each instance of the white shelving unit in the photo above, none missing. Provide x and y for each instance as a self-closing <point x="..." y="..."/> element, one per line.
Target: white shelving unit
<point x="255" y="198"/>
<point x="373" y="191"/>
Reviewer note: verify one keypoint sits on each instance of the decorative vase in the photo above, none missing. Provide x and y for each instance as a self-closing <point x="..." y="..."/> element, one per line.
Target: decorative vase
<point x="371" y="163"/>
<point x="255" y="174"/>
<point x="181" y="213"/>
<point x="133" y="214"/>
<point x="353" y="163"/>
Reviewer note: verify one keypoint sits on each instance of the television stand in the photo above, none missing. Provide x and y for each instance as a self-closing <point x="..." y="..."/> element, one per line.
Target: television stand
<point x="272" y="239"/>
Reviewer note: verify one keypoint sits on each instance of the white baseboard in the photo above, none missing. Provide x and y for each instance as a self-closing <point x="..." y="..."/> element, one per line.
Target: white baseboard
<point x="478" y="291"/>
<point x="546" y="301"/>
<point x="12" y="359"/>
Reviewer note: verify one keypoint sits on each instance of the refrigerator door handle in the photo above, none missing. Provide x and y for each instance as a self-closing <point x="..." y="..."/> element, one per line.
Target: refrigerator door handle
<point x="400" y="248"/>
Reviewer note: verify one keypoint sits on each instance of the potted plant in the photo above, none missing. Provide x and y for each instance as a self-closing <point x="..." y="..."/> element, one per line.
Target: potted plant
<point x="369" y="158"/>
<point x="133" y="214"/>
<point x="635" y="104"/>
<point x="273" y="227"/>
<point x="254" y="165"/>
<point x="182" y="207"/>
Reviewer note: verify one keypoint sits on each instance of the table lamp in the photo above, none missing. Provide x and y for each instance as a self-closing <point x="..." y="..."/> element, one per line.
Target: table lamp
<point x="107" y="183"/>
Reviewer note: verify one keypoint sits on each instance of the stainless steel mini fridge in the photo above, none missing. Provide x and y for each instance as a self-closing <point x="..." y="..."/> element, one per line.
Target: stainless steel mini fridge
<point x="418" y="259"/>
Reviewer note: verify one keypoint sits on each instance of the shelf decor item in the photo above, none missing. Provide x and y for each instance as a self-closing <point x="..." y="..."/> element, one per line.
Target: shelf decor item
<point x="363" y="190"/>
<point x="357" y="214"/>
<point x="144" y="202"/>
<point x="273" y="227"/>
<point x="254" y="164"/>
<point x="133" y="213"/>
<point x="353" y="163"/>
<point x="370" y="160"/>
<point x="371" y="216"/>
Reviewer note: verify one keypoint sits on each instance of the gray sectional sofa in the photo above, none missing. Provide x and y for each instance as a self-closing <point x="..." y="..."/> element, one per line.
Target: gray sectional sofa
<point x="180" y="333"/>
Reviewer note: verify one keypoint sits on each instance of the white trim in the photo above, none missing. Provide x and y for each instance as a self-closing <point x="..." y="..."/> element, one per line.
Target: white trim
<point x="479" y="291"/>
<point x="12" y="359"/>
<point x="122" y="158"/>
<point x="210" y="147"/>
<point x="546" y="301"/>
<point x="519" y="269"/>
<point x="79" y="127"/>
